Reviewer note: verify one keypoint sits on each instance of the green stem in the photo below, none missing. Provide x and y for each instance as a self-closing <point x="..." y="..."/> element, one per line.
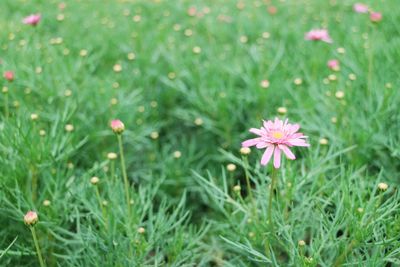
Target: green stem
<point x="103" y="211"/>
<point x="370" y="60"/>
<point x="246" y="171"/>
<point x="271" y="195"/>
<point x="124" y="175"/>
<point x="37" y="247"/>
<point x="6" y="105"/>
<point x="126" y="185"/>
<point x="34" y="183"/>
<point x="112" y="171"/>
<point x="270" y="220"/>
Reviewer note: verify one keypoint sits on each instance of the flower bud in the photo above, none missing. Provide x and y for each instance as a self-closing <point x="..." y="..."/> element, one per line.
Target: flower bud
<point x="34" y="116"/>
<point x="112" y="156"/>
<point x="375" y="16"/>
<point x="177" y="154"/>
<point x="9" y="76"/>
<point x="31" y="218"/>
<point x="117" y="126"/>
<point x="323" y="141"/>
<point x="237" y="188"/>
<point x="264" y="84"/>
<point x="94" y="180"/>
<point x="69" y="127"/>
<point x="383" y="186"/>
<point x="231" y="167"/>
<point x="245" y="150"/>
<point x="282" y="110"/>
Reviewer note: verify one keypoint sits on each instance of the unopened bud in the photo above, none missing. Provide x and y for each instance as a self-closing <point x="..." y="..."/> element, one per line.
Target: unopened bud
<point x="231" y="167"/>
<point x="112" y="156"/>
<point x="31" y="218"/>
<point x="383" y="186"/>
<point x="94" y="180"/>
<point x="245" y="150"/>
<point x="117" y="126"/>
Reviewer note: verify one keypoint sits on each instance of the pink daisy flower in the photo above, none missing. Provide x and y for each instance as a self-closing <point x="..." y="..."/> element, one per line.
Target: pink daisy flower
<point x="360" y="8"/>
<point x="375" y="16"/>
<point x="32" y="19"/>
<point x="333" y="64"/>
<point x="276" y="136"/>
<point x="318" y="35"/>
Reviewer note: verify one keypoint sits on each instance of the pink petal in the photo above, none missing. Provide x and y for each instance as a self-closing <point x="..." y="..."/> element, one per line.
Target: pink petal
<point x="268" y="124"/>
<point x="277" y="158"/>
<point x="262" y="145"/>
<point x="294" y="128"/>
<point x="278" y="123"/>
<point x="287" y="152"/>
<point x="296" y="135"/>
<point x="267" y="155"/>
<point x="297" y="142"/>
<point x="256" y="131"/>
<point x="251" y="142"/>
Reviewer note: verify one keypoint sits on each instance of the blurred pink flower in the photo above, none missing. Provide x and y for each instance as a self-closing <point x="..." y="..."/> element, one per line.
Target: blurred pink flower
<point x="360" y="8"/>
<point x="318" y="35"/>
<point x="192" y="11"/>
<point x="272" y="10"/>
<point x="333" y="64"/>
<point x="62" y="5"/>
<point x="9" y="75"/>
<point x="276" y="136"/>
<point x="32" y="19"/>
<point x="375" y="16"/>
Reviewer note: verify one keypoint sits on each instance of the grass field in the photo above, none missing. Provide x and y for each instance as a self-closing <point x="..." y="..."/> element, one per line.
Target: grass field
<point x="188" y="79"/>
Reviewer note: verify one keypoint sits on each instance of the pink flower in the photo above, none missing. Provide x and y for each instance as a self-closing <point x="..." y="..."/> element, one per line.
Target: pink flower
<point x="192" y="11"/>
<point x="318" y="35"/>
<point x="62" y="5"/>
<point x="360" y="8"/>
<point x="32" y="19"/>
<point x="31" y="218"/>
<point x="9" y="75"/>
<point x="117" y="126"/>
<point x="333" y="64"/>
<point x="276" y="136"/>
<point x="375" y="16"/>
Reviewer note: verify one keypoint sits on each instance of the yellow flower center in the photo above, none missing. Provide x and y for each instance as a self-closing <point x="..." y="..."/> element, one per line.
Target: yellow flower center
<point x="277" y="134"/>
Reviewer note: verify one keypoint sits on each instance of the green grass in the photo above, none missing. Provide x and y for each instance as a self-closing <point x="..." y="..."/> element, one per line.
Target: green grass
<point x="202" y="104"/>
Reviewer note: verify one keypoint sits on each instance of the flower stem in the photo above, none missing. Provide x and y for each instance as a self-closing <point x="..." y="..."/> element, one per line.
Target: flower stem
<point x="126" y="185"/>
<point x="34" y="183"/>
<point x="271" y="195"/>
<point x="112" y="163"/>
<point x="39" y="253"/>
<point x="103" y="211"/>
<point x="370" y="60"/>
<point x="123" y="167"/>
<point x="270" y="220"/>
<point x="249" y="191"/>
<point x="6" y="112"/>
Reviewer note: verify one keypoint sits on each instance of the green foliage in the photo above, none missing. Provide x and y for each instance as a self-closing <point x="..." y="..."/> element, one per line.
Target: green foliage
<point x="188" y="90"/>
